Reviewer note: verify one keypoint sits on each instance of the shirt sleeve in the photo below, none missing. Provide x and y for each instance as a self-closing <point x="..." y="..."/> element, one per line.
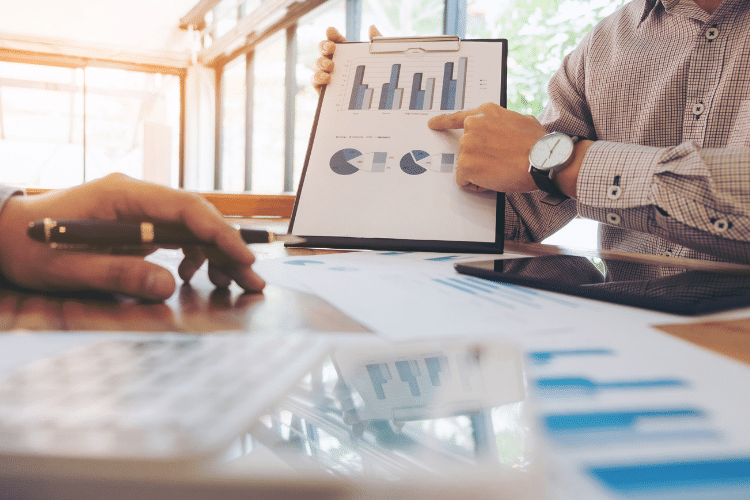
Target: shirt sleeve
<point x="6" y="192"/>
<point x="691" y="196"/>
<point x="526" y="218"/>
<point x="695" y="197"/>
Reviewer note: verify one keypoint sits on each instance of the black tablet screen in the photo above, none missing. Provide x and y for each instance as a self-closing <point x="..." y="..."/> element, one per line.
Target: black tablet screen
<point x="674" y="290"/>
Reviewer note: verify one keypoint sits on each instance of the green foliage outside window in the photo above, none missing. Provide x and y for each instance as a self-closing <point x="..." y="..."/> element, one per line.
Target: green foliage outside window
<point x="540" y="34"/>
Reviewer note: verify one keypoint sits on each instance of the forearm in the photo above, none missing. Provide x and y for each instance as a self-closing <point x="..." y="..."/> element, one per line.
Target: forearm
<point x="697" y="198"/>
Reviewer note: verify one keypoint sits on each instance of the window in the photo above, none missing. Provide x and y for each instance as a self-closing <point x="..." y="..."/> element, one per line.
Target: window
<point x="403" y="17"/>
<point x="63" y="126"/>
<point x="306" y="101"/>
<point x="132" y="125"/>
<point x="233" y="107"/>
<point x="540" y="33"/>
<point x="41" y="125"/>
<point x="268" y="116"/>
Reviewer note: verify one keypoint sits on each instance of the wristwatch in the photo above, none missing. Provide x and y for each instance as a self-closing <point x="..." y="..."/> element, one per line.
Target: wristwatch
<point x="549" y="155"/>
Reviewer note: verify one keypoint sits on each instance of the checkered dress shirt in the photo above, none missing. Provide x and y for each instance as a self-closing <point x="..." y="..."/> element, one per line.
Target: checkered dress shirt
<point x="664" y="89"/>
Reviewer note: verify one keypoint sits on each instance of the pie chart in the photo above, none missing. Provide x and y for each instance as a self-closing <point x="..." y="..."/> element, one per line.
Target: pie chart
<point x="410" y="162"/>
<point x="340" y="161"/>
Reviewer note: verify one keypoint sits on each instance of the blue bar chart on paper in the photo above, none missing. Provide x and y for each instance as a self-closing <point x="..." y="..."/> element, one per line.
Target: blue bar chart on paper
<point x="501" y="294"/>
<point x="435" y="85"/>
<point x="642" y="416"/>
<point x="597" y="428"/>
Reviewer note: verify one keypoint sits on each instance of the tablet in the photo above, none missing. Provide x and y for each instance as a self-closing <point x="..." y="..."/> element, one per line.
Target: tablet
<point x="676" y="290"/>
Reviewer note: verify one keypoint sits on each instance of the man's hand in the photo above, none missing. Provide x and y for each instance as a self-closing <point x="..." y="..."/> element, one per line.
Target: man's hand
<point x="323" y="66"/>
<point x="494" y="150"/>
<point x="117" y="197"/>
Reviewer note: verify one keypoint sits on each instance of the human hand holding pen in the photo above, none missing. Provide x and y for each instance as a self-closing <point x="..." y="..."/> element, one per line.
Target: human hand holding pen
<point x="118" y="197"/>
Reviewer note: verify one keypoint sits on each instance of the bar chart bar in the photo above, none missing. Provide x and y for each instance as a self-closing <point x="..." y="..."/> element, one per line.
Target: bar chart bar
<point x="383" y="97"/>
<point x="429" y="93"/>
<point x="416" y="88"/>
<point x="460" y="83"/>
<point x="398" y="96"/>
<point x="358" y="89"/>
<point x="421" y="98"/>
<point x="392" y="95"/>
<point x="445" y="101"/>
<point x="454" y="90"/>
<point x="367" y="99"/>
<point x="378" y="162"/>
<point x="446" y="163"/>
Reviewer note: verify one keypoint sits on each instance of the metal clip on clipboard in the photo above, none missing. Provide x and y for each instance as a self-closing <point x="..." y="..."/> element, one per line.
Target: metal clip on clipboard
<point x="392" y="45"/>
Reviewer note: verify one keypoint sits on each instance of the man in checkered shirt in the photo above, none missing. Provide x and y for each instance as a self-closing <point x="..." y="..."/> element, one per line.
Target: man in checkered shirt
<point x="659" y="93"/>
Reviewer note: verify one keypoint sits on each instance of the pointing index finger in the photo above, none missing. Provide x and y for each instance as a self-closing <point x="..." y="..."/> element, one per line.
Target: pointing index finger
<point x="451" y="120"/>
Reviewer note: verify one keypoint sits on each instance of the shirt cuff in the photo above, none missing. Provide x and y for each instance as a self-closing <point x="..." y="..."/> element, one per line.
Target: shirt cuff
<point x="616" y="175"/>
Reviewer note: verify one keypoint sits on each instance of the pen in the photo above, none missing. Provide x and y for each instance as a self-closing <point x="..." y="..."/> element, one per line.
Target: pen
<point x="108" y="233"/>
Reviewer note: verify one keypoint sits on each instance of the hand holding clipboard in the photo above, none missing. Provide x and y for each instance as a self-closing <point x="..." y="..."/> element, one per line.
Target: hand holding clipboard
<point x="378" y="177"/>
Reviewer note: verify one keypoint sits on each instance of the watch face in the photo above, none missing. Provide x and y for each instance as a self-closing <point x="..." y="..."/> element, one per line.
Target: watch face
<point x="551" y="151"/>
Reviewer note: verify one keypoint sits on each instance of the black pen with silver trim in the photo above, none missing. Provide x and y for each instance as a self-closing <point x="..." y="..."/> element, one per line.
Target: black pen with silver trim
<point x="108" y="233"/>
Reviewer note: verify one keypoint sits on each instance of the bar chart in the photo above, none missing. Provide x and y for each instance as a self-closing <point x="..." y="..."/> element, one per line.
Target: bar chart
<point x="598" y="428"/>
<point x="368" y="90"/>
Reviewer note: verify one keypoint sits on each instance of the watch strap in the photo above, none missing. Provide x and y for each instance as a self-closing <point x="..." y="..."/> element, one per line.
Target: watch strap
<point x="554" y="196"/>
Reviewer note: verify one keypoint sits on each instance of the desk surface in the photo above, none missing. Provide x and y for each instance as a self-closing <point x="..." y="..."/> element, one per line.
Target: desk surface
<point x="199" y="307"/>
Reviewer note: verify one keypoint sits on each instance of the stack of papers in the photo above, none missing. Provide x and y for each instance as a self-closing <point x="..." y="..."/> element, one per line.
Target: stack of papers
<point x="640" y="414"/>
<point x="413" y="296"/>
<point x="624" y="411"/>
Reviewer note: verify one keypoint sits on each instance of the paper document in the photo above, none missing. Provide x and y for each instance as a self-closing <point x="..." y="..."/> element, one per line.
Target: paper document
<point x="418" y="296"/>
<point x="634" y="413"/>
<point x="375" y="169"/>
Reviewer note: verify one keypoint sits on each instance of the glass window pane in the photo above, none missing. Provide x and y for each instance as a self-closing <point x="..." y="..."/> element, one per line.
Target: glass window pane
<point x="233" y="88"/>
<point x="268" y="116"/>
<point x="403" y="17"/>
<point x="41" y="125"/>
<point x="540" y="33"/>
<point x="132" y="124"/>
<point x="310" y="31"/>
<point x="225" y="17"/>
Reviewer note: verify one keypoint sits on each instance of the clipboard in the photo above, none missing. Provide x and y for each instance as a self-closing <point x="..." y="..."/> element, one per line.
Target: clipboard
<point x="375" y="176"/>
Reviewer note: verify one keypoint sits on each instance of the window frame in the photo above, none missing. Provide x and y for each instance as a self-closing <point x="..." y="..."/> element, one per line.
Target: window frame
<point x="454" y="23"/>
<point x="76" y="62"/>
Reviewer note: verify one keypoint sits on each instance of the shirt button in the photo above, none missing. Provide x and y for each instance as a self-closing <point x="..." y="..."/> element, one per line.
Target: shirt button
<point x="698" y="108"/>
<point x="613" y="219"/>
<point x="712" y="33"/>
<point x="667" y="254"/>
<point x="721" y="225"/>
<point x="614" y="192"/>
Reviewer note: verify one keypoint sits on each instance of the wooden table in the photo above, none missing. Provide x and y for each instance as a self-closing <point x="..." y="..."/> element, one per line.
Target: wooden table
<point x="198" y="307"/>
